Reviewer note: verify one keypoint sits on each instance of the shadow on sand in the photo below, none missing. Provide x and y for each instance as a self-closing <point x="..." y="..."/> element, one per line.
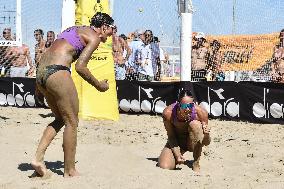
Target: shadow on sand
<point x="52" y="166"/>
<point x="187" y="163"/>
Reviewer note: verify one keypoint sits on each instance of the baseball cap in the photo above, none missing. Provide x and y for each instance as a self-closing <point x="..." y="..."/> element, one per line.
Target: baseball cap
<point x="199" y="35"/>
<point x="138" y="32"/>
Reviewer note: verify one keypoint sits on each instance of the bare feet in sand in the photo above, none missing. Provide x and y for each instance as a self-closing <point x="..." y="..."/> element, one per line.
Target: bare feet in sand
<point x="72" y="173"/>
<point x="39" y="167"/>
<point x="196" y="167"/>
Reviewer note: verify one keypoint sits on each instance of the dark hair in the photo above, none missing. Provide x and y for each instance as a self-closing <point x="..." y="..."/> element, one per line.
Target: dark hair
<point x="40" y="31"/>
<point x="156" y="39"/>
<point x="184" y="93"/>
<point x="123" y="36"/>
<point x="149" y="31"/>
<point x="215" y="43"/>
<point x="100" y="19"/>
<point x="281" y="32"/>
<point x="52" y="32"/>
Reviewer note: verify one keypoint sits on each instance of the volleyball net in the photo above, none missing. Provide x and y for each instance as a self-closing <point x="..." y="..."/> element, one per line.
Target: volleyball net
<point x="10" y="22"/>
<point x="233" y="40"/>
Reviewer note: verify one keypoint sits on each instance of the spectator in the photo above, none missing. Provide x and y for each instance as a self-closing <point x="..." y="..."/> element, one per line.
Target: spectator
<point x="50" y="37"/>
<point x="136" y="47"/>
<point x="121" y="53"/>
<point x="123" y="36"/>
<point x="277" y="67"/>
<point x="126" y="48"/>
<point x="213" y="59"/>
<point x="156" y="62"/>
<point x="39" y="50"/>
<point x="145" y="68"/>
<point x="4" y="62"/>
<point x="163" y="67"/>
<point x="131" y="37"/>
<point x="20" y="60"/>
<point x="40" y="46"/>
<point x="199" y="51"/>
<point x="7" y="35"/>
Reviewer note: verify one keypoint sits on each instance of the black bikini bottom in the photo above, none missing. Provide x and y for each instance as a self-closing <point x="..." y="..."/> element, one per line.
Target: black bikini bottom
<point x="43" y="74"/>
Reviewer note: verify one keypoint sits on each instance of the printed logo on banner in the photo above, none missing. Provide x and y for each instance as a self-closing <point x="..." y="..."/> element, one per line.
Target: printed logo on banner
<point x="155" y="105"/>
<point x="265" y="109"/>
<point x="98" y="6"/>
<point x="223" y="106"/>
<point x="104" y="58"/>
<point x="18" y="97"/>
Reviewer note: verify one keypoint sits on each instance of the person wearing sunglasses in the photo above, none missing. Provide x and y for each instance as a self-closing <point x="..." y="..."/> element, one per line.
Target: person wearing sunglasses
<point x="186" y="124"/>
<point x="7" y="35"/>
<point x="75" y="44"/>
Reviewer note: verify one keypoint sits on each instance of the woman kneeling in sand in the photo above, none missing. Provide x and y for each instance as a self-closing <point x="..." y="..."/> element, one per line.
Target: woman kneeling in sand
<point x="187" y="128"/>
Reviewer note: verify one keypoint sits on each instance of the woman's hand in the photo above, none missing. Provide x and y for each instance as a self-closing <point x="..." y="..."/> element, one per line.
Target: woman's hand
<point x="103" y="85"/>
<point x="180" y="159"/>
<point x="206" y="128"/>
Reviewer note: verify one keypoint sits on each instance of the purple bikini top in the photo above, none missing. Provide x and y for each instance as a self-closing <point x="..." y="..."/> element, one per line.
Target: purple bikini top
<point x="71" y="35"/>
<point x="191" y="117"/>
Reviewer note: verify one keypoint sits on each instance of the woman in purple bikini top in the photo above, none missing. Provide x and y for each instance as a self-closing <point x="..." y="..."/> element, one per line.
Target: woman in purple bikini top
<point x="72" y="37"/>
<point x="53" y="79"/>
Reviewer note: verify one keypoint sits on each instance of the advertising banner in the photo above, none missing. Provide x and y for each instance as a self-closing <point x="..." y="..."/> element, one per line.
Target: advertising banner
<point x="95" y="104"/>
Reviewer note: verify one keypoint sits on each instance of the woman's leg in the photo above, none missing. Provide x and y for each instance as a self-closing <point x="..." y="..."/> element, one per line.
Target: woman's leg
<point x="167" y="159"/>
<point x="61" y="85"/>
<point x="49" y="133"/>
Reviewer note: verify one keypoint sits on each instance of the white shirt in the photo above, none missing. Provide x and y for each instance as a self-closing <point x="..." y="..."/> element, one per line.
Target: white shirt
<point x="146" y="67"/>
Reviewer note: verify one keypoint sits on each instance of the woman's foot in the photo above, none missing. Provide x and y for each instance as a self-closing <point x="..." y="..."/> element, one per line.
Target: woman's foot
<point x="196" y="167"/>
<point x="71" y="173"/>
<point x="39" y="167"/>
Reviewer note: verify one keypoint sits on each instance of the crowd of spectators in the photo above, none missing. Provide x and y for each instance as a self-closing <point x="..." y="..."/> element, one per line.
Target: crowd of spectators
<point x="207" y="60"/>
<point x="16" y="61"/>
<point x="138" y="56"/>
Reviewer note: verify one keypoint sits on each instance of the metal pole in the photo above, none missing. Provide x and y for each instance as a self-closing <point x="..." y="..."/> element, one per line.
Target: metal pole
<point x="185" y="41"/>
<point x="234" y="17"/>
<point x="111" y="6"/>
<point x="68" y="14"/>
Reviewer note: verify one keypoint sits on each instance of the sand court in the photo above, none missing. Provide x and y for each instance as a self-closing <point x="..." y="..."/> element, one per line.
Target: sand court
<point x="124" y="154"/>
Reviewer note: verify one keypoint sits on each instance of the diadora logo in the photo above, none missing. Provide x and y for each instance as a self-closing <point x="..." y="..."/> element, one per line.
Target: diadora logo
<point x="143" y="104"/>
<point x="18" y="97"/>
<point x="222" y="106"/>
<point x="265" y="109"/>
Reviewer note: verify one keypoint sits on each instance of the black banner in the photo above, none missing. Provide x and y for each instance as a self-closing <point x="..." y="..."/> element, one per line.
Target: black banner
<point x="19" y="92"/>
<point x="248" y="101"/>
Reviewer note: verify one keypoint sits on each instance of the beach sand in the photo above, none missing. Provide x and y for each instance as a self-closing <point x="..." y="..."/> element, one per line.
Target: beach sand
<point x="124" y="154"/>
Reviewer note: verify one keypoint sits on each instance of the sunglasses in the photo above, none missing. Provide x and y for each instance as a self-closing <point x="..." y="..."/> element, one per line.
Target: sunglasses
<point x="112" y="26"/>
<point x="184" y="106"/>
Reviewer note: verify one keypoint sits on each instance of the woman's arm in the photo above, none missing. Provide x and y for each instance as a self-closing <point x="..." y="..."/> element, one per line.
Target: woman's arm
<point x="203" y="118"/>
<point x="81" y="65"/>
